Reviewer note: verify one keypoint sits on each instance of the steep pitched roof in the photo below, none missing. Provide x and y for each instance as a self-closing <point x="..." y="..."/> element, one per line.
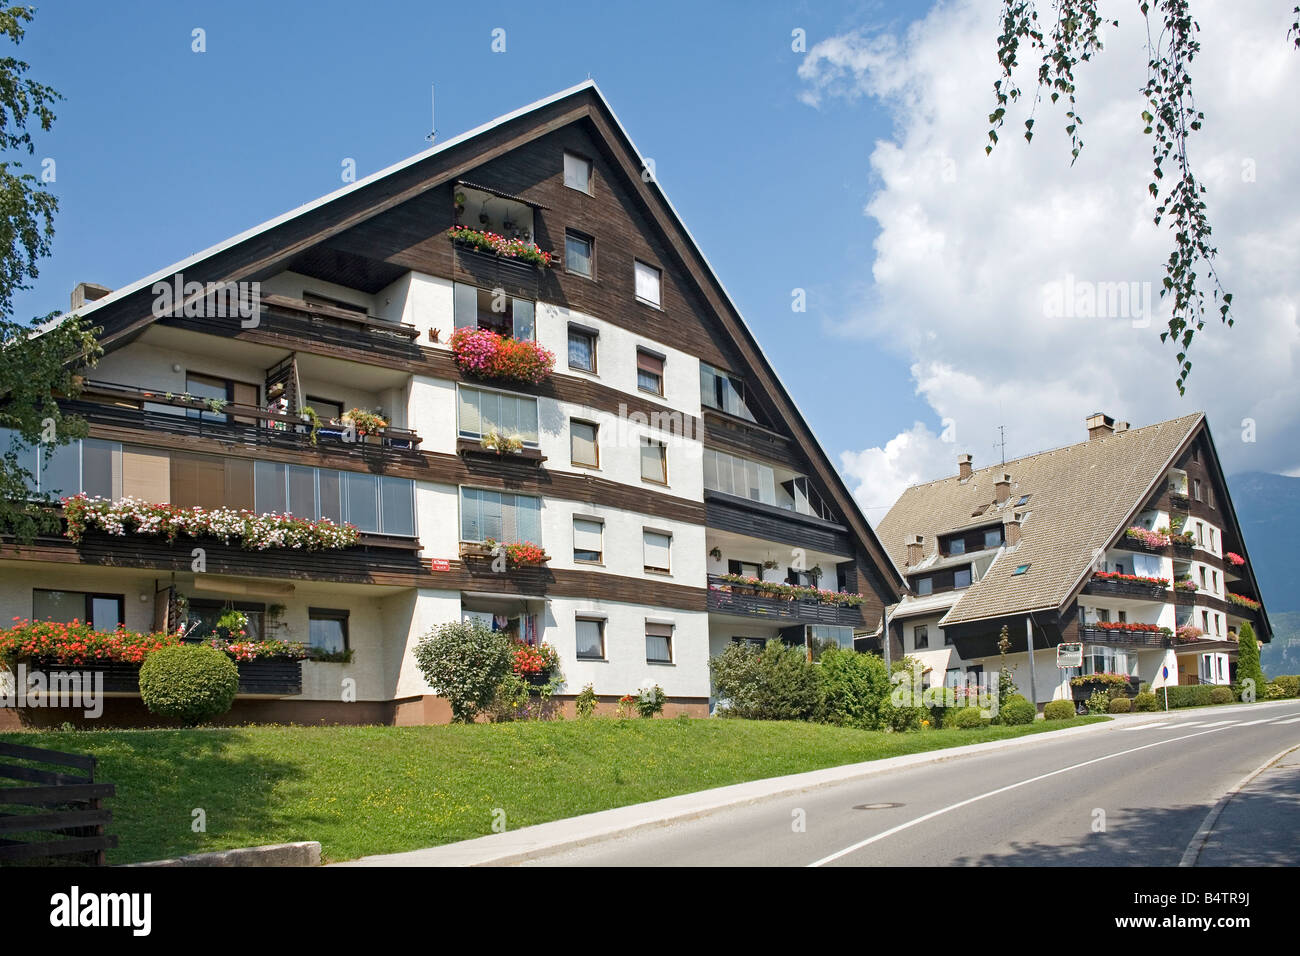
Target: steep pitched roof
<point x="262" y="249"/>
<point x="1081" y="496"/>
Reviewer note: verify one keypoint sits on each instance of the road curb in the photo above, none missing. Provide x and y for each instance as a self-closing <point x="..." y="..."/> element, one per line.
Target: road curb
<point x="518" y="846"/>
<point x="272" y="854"/>
<point x="1194" y="848"/>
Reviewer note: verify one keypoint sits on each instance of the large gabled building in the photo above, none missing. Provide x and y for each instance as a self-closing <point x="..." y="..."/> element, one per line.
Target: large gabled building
<point x="1126" y="543"/>
<point x="659" y="464"/>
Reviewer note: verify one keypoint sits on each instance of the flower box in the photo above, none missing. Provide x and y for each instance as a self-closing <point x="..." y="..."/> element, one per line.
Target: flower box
<point x="495" y="244"/>
<point x="485" y="354"/>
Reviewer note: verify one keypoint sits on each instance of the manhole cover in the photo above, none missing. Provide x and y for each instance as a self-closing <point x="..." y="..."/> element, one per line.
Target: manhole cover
<point x="877" y="806"/>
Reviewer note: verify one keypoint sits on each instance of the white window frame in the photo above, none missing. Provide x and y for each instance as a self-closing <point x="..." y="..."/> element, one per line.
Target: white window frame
<point x="644" y="269"/>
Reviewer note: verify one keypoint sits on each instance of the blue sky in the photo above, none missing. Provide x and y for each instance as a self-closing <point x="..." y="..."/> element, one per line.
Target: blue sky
<point x="161" y="151"/>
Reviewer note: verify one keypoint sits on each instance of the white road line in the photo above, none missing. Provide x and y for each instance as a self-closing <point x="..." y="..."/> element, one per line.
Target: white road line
<point x="1163" y="723"/>
<point x="1293" y="720"/>
<point x="1220" y="723"/>
<point x="1252" y="723"/>
<point x="993" y="793"/>
<point x="1190" y="723"/>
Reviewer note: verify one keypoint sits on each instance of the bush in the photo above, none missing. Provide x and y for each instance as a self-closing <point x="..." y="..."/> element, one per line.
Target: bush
<point x="1146" y="702"/>
<point x="1197" y="695"/>
<point x="189" y="682"/>
<point x="1058" y="710"/>
<point x="857" y="692"/>
<point x="1120" y="705"/>
<point x="510" y="701"/>
<point x="1248" y="657"/>
<point x="585" y="703"/>
<point x="1099" y="702"/>
<point x="1221" y="695"/>
<point x="964" y="718"/>
<point x="776" y="683"/>
<point x="1017" y="710"/>
<point x="650" y="701"/>
<point x="1284" y="686"/>
<point x="465" y="662"/>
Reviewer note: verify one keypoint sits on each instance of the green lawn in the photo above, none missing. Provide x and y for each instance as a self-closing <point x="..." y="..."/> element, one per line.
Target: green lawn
<point x="365" y="790"/>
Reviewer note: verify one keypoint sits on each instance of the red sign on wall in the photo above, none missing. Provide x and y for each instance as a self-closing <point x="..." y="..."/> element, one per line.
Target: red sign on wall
<point x="439" y="564"/>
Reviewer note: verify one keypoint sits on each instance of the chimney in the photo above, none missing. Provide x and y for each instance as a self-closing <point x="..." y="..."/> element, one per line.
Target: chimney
<point x="915" y="545"/>
<point x="1002" y="489"/>
<point x="87" y="292"/>
<point x="964" y="466"/>
<point x="1121" y="427"/>
<point x="1099" y="425"/>
<point x="1011" y="531"/>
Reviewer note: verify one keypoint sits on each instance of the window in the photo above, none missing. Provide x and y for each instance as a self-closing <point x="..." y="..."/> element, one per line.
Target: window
<point x="201" y="624"/>
<point x="104" y="612"/>
<point x="1021" y="569"/>
<point x="920" y="638"/>
<point x="378" y="504"/>
<point x="577" y="172"/>
<point x="1200" y="534"/>
<point x="88" y="465"/>
<point x="738" y="476"/>
<point x="654" y="461"/>
<point x="582" y="349"/>
<point x="481" y="412"/>
<point x="1024" y="500"/>
<point x="591" y="639"/>
<point x="327" y="409"/>
<point x="723" y="391"/>
<point x="588" y="540"/>
<point x="578" y="254"/>
<point x="961" y="578"/>
<point x="494" y="310"/>
<point x="1202" y="576"/>
<point x="746" y="569"/>
<point x="957" y="546"/>
<point x="1214" y="581"/>
<point x="207" y="388"/>
<point x="658" y="643"/>
<point x="583" y="449"/>
<point x="648" y="283"/>
<point x="924" y="586"/>
<point x="327" y="629"/>
<point x="755" y="642"/>
<point x="820" y="637"/>
<point x="1196" y="488"/>
<point x="658" y="547"/>
<point x="500" y="516"/>
<point x="993" y="537"/>
<point x="649" y="372"/>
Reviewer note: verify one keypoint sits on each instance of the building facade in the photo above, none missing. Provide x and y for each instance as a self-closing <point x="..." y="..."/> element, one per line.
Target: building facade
<point x="1126" y="543"/>
<point x="656" y="468"/>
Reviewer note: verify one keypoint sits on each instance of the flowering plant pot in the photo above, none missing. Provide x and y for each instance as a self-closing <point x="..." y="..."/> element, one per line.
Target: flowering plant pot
<point x="495" y="244"/>
<point x="486" y="354"/>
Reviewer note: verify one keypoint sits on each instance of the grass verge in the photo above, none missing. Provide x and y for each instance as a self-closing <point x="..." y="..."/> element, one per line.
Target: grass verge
<point x="368" y="790"/>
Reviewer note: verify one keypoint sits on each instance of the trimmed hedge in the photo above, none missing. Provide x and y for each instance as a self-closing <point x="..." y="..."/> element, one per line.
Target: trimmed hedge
<point x="1017" y="710"/>
<point x="1120" y="705"/>
<point x="1146" y="702"/>
<point x="964" y="718"/>
<point x="1058" y="710"/>
<point x="1221" y="695"/>
<point x="190" y="682"/>
<point x="1196" y="695"/>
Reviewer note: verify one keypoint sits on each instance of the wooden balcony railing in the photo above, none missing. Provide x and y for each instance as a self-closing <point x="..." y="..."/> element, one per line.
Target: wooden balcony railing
<point x="1121" y="588"/>
<point x="726" y="599"/>
<point x="1116" y="638"/>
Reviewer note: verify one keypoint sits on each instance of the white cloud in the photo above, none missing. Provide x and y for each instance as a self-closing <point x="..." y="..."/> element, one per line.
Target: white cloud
<point x="972" y="248"/>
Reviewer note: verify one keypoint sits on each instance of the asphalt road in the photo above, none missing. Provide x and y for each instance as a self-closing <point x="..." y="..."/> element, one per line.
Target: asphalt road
<point x="1130" y="794"/>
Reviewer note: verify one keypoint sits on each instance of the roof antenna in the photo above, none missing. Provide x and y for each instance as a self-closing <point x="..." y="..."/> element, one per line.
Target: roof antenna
<point x="433" y="102"/>
<point x="1002" y="442"/>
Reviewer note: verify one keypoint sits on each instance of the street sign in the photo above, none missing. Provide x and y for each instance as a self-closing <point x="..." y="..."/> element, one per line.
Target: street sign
<point x="1069" y="655"/>
<point x="439" y="564"/>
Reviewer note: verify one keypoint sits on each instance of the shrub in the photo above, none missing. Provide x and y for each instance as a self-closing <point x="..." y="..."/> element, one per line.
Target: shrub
<point x="1248" y="657"/>
<point x="1099" y="702"/>
<point x="1017" y="710"/>
<point x="465" y="662"/>
<point x="585" y="703"/>
<point x="1196" y="695"/>
<point x="1287" y="685"/>
<point x="510" y="701"/>
<point x="964" y="718"/>
<point x="650" y="701"/>
<point x="1120" y="705"/>
<point x="1146" y="702"/>
<point x="1058" y="710"/>
<point x="189" y="682"/>
<point x="855" y="689"/>
<point x="1221" y="695"/>
<point x="775" y="683"/>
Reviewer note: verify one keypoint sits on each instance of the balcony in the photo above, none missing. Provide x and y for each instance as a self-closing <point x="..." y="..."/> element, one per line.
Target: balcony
<point x="127" y="406"/>
<point x="1126" y="586"/>
<point x="261" y="677"/>
<point x="1113" y="637"/>
<point x="727" y="598"/>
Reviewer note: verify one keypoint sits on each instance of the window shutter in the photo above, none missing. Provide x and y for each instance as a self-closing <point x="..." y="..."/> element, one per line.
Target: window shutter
<point x="583" y="438"/>
<point x="658" y="550"/>
<point x="647" y="283"/>
<point x="471" y="415"/>
<point x="588" y="535"/>
<point x="649" y="363"/>
<point x="658" y="642"/>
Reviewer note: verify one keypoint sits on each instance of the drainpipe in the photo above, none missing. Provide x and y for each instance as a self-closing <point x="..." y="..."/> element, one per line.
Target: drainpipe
<point x="1029" y="643"/>
<point x="885" y="638"/>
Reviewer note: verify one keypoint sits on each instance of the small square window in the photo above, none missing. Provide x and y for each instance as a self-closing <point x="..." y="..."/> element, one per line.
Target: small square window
<point x="961" y="578"/>
<point x="924" y="586"/>
<point x="649" y="372"/>
<point x="578" y="255"/>
<point x="577" y="172"/>
<point x="327" y="630"/>
<point x="590" y="639"/>
<point x="654" y="461"/>
<point x="583" y="449"/>
<point x="588" y="540"/>
<point x="920" y="638"/>
<point x="1024" y="500"/>
<point x="582" y="349"/>
<point x="1020" y="570"/>
<point x="649" y="283"/>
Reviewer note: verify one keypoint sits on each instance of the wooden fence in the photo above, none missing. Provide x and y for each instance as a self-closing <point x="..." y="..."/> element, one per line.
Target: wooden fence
<point x="52" y="814"/>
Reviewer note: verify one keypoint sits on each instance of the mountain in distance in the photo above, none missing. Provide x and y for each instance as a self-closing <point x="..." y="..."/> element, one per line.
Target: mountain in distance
<point x="1268" y="509"/>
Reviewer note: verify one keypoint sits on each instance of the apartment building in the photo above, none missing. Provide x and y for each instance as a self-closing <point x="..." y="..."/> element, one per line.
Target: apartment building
<point x="1126" y="543"/>
<point x="675" y="496"/>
